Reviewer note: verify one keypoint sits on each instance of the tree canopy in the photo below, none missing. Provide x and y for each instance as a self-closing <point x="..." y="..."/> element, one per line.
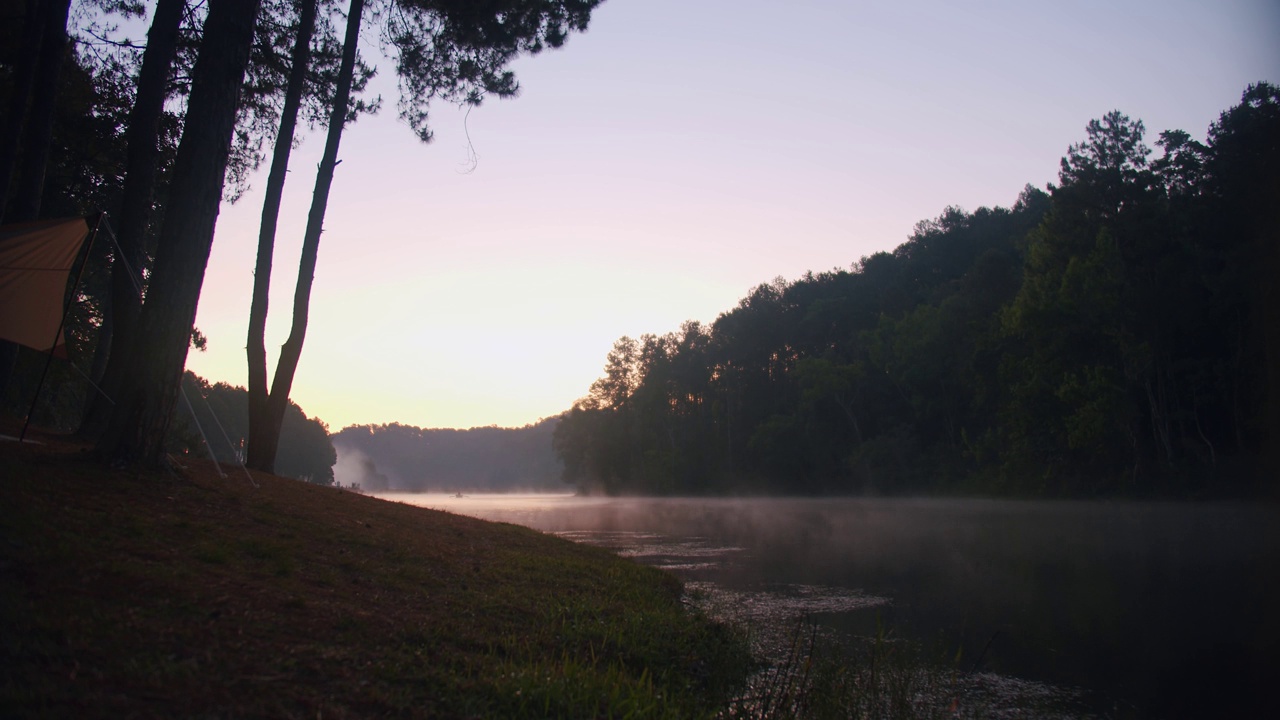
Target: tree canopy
<point x="1114" y="334"/>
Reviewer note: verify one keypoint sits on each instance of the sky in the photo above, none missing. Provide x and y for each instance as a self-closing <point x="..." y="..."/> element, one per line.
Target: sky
<point x="671" y="158"/>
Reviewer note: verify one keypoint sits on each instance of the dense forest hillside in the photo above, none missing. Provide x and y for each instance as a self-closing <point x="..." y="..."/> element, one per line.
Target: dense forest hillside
<point x="486" y="459"/>
<point x="1116" y="334"/>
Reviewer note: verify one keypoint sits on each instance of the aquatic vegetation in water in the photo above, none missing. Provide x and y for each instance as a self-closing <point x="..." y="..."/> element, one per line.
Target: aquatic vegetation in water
<point x="817" y="677"/>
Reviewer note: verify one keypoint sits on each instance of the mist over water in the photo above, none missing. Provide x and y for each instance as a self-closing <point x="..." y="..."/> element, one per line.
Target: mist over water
<point x="1150" y="610"/>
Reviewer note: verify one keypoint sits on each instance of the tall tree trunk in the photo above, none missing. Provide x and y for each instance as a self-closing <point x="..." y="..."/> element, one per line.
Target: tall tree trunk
<point x="1271" y="353"/>
<point x="19" y="100"/>
<point x="37" y="133"/>
<point x="256" y="347"/>
<point x="144" y="407"/>
<point x="264" y="438"/>
<point x="142" y="138"/>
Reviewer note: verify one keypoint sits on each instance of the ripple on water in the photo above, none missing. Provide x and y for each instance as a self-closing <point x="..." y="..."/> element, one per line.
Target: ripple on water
<point x="780" y="603"/>
<point x="612" y="539"/>
<point x="655" y="549"/>
<point x="679" y="549"/>
<point x="1001" y="696"/>
<point x="687" y="567"/>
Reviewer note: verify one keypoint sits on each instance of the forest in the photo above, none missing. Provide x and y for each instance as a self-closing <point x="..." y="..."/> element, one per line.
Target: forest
<point x="487" y="459"/>
<point x="1115" y="334"/>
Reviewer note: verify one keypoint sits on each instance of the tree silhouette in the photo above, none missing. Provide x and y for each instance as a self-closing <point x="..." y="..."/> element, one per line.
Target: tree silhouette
<point x="144" y="408"/>
<point x="1112" y="336"/>
<point x="450" y="50"/>
<point x="141" y="170"/>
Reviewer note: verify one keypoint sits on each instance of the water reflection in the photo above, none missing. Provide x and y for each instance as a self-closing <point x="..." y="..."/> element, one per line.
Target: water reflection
<point x="1158" y="610"/>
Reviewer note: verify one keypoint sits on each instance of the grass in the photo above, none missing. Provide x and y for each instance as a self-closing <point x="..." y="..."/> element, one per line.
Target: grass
<point x="153" y="594"/>
<point x="818" y="679"/>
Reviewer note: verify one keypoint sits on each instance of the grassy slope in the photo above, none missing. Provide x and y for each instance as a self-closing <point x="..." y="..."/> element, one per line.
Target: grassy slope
<point x="159" y="595"/>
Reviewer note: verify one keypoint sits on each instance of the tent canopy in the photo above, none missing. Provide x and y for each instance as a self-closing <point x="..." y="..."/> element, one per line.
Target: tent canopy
<point x="36" y="259"/>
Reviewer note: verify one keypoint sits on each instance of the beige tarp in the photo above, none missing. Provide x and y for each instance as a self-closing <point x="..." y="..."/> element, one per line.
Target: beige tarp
<point x="35" y="260"/>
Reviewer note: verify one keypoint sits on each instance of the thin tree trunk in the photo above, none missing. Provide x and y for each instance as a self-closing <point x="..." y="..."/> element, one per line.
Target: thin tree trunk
<point x="37" y="132"/>
<point x="866" y="480"/>
<point x="142" y="138"/>
<point x="1270" y="315"/>
<point x="256" y="347"/>
<point x="24" y="80"/>
<point x="144" y="408"/>
<point x="291" y="352"/>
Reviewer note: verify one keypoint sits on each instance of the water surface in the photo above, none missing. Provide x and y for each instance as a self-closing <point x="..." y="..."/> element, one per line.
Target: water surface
<point x="1133" y="610"/>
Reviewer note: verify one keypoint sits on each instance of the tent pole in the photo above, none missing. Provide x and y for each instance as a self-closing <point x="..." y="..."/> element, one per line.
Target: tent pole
<point x="216" y="465"/>
<point x="66" y="310"/>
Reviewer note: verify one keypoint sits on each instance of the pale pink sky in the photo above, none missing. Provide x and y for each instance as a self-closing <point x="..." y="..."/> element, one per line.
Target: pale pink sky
<point x="676" y="155"/>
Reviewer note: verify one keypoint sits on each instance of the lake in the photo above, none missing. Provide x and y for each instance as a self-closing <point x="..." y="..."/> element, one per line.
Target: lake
<point x="1107" y="608"/>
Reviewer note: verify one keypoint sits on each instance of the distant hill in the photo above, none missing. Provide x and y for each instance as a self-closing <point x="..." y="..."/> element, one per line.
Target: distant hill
<point x="413" y="459"/>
